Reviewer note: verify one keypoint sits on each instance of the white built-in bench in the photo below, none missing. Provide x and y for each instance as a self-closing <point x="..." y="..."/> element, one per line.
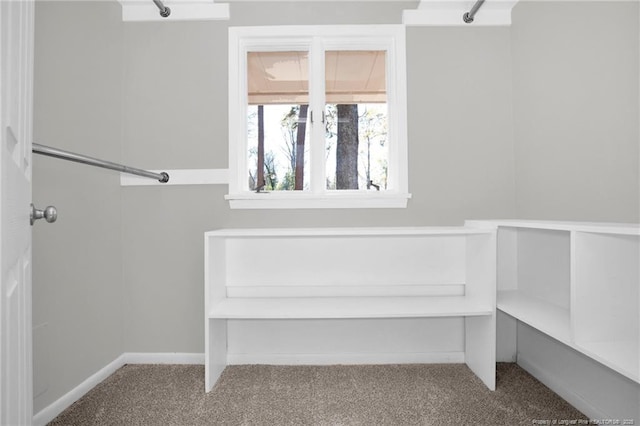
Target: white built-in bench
<point x="577" y="282"/>
<point x="352" y="273"/>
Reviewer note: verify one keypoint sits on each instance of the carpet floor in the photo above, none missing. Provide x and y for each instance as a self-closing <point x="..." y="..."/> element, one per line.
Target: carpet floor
<point x="371" y="395"/>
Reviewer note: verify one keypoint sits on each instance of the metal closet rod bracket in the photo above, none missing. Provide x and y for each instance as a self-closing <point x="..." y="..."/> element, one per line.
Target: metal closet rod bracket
<point x="164" y="10"/>
<point x="468" y="16"/>
<point x="162" y="177"/>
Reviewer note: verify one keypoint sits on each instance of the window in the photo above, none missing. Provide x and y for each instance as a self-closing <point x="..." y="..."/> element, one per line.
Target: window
<point x="317" y="117"/>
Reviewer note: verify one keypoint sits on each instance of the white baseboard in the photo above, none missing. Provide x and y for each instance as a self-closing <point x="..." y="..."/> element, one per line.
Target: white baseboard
<point x="561" y="389"/>
<point x="347" y="358"/>
<point x="50" y="412"/>
<point x="163" y="358"/>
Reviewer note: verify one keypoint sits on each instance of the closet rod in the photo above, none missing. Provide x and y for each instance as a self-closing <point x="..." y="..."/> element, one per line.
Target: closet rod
<point x="163" y="177"/>
<point x="468" y="17"/>
<point x="164" y="10"/>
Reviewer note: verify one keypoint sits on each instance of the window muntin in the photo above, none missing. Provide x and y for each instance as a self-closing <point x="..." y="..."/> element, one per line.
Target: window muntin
<point x="323" y="44"/>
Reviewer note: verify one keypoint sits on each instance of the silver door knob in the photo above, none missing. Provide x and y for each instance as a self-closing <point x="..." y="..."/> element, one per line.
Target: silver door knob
<point x="50" y="214"/>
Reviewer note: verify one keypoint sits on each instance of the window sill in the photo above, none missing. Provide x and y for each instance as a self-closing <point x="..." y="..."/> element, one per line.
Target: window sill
<point x="341" y="200"/>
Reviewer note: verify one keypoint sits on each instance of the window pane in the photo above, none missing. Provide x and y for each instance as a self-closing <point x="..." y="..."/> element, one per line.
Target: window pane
<point x="356" y="120"/>
<point x="278" y="97"/>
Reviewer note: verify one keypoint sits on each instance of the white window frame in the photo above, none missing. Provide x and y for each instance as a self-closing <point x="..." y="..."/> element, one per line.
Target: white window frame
<point x="390" y="38"/>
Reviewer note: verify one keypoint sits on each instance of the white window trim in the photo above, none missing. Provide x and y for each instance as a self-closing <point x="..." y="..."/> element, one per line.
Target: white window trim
<point x="386" y="37"/>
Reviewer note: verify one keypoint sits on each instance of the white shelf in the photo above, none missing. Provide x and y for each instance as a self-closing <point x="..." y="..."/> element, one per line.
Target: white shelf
<point x="596" y="227"/>
<point x="181" y="10"/>
<point x="539" y="314"/>
<point x="329" y="232"/>
<point x="574" y="281"/>
<point x="621" y="356"/>
<point x="347" y="307"/>
<point x="449" y="13"/>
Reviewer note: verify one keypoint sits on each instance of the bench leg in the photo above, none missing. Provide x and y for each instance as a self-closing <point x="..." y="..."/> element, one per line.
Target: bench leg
<point x="480" y="348"/>
<point x="215" y="359"/>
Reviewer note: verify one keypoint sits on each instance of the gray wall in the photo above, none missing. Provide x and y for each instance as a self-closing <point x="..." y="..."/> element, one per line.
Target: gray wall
<point x="122" y="270"/>
<point x="576" y="116"/>
<point x="596" y="390"/>
<point x="575" y="74"/>
<point x="77" y="272"/>
<point x="176" y="117"/>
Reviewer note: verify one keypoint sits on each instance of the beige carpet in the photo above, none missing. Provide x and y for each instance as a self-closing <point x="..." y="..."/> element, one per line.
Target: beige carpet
<point x="432" y="394"/>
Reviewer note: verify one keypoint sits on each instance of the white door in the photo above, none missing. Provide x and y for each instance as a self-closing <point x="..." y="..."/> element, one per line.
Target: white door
<point x="16" y="75"/>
